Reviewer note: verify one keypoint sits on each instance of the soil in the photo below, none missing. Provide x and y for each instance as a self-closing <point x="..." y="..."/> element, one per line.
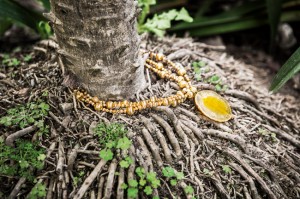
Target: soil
<point x="260" y="145"/>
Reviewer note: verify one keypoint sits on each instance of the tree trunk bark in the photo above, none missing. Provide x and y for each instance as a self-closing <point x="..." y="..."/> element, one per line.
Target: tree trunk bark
<point x="99" y="46"/>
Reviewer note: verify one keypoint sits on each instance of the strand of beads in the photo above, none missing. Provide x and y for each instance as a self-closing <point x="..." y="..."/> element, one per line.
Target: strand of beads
<point x="165" y="69"/>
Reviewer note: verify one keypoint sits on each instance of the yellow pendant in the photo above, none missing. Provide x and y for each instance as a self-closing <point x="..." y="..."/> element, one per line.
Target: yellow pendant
<point x="213" y="106"/>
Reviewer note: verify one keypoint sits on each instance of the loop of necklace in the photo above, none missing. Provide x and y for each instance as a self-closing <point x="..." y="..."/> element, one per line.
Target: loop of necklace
<point x="165" y="69"/>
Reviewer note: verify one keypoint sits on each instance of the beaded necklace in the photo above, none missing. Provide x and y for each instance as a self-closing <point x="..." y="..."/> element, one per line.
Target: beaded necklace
<point x="165" y="69"/>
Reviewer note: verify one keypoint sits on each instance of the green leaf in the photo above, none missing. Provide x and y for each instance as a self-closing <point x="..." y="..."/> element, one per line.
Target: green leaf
<point x="132" y="183"/>
<point x="148" y="190"/>
<point x="140" y="172"/>
<point x="124" y="164"/>
<point x="184" y="16"/>
<point x="23" y="164"/>
<point x="173" y="182"/>
<point x="41" y="157"/>
<point x="274" y="12"/>
<point x="179" y="175"/>
<point x="287" y="71"/>
<point x="132" y="192"/>
<point x="168" y="172"/>
<point x="106" y="154"/>
<point x="124" y="186"/>
<point x="142" y="182"/>
<point x="189" y="190"/>
<point x="46" y="4"/>
<point x="124" y="143"/>
<point x="226" y="169"/>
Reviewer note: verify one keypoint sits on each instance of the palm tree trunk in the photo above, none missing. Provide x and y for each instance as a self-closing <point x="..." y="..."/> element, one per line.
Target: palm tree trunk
<point x="99" y="46"/>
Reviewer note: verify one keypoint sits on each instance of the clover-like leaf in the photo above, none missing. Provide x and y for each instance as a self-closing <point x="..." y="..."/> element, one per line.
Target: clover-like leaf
<point x="106" y="154"/>
<point x="184" y="16"/>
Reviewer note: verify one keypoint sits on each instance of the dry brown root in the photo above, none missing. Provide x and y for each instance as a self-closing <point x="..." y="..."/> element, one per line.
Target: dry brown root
<point x="244" y="96"/>
<point x="100" y="187"/>
<point x="120" y="191"/>
<point x="237" y="157"/>
<point x="88" y="181"/>
<point x="50" y="189"/>
<point x="194" y="129"/>
<point x="190" y="133"/>
<point x="160" y="137"/>
<point x="110" y="179"/>
<point x="144" y="156"/>
<point x="176" y="123"/>
<point x="220" y="188"/>
<point x="246" y="193"/>
<point x="72" y="157"/>
<point x="93" y="194"/>
<point x="153" y="147"/>
<point x="284" y="135"/>
<point x="60" y="161"/>
<point x="17" y="188"/>
<point x="231" y="137"/>
<point x="271" y="171"/>
<point x="171" y="136"/>
<point x="240" y="170"/>
<point x="197" y="119"/>
<point x="11" y="138"/>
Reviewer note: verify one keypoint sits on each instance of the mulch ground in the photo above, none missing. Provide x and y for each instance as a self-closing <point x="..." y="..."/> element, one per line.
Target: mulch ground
<point x="260" y="145"/>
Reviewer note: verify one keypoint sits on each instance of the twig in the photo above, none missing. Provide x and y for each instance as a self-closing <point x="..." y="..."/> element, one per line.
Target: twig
<point x="71" y="157"/>
<point x="263" y="184"/>
<point x="176" y="123"/>
<point x="149" y="125"/>
<point x="17" y="188"/>
<point x="284" y="135"/>
<point x="110" y="179"/>
<point x="11" y="138"/>
<point x="172" y="138"/>
<point x="120" y="191"/>
<point x="241" y="171"/>
<point x="100" y="187"/>
<point x="145" y="155"/>
<point x="244" y="96"/>
<point x="153" y="147"/>
<point x="88" y="181"/>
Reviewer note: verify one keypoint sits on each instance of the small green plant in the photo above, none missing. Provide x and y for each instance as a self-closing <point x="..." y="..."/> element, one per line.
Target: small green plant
<point x="226" y="169"/>
<point x="39" y="191"/>
<point x="147" y="182"/>
<point x="27" y="58"/>
<point x="33" y="113"/>
<point x="25" y="155"/>
<point x="11" y="62"/>
<point x="172" y="175"/>
<point x="267" y="134"/>
<point x="109" y="134"/>
<point x="189" y="190"/>
<point x="78" y="179"/>
<point x="159" y="23"/>
<point x="44" y="29"/>
<point x="208" y="172"/>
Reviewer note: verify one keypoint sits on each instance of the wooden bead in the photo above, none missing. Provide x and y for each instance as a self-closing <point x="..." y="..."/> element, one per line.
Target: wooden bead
<point x="109" y="104"/>
<point x="143" y="104"/>
<point x="174" y="103"/>
<point x="159" y="57"/>
<point x="98" y="106"/>
<point x="165" y="102"/>
<point x="181" y="72"/>
<point x="193" y="89"/>
<point x="95" y="99"/>
<point x="182" y="84"/>
<point x="189" y="94"/>
<point x="159" y="66"/>
<point x="129" y="110"/>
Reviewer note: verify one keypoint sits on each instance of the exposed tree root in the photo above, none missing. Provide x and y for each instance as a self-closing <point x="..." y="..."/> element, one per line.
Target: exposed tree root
<point x="110" y="179"/>
<point x="88" y="181"/>
<point x="170" y="134"/>
<point x="11" y="138"/>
